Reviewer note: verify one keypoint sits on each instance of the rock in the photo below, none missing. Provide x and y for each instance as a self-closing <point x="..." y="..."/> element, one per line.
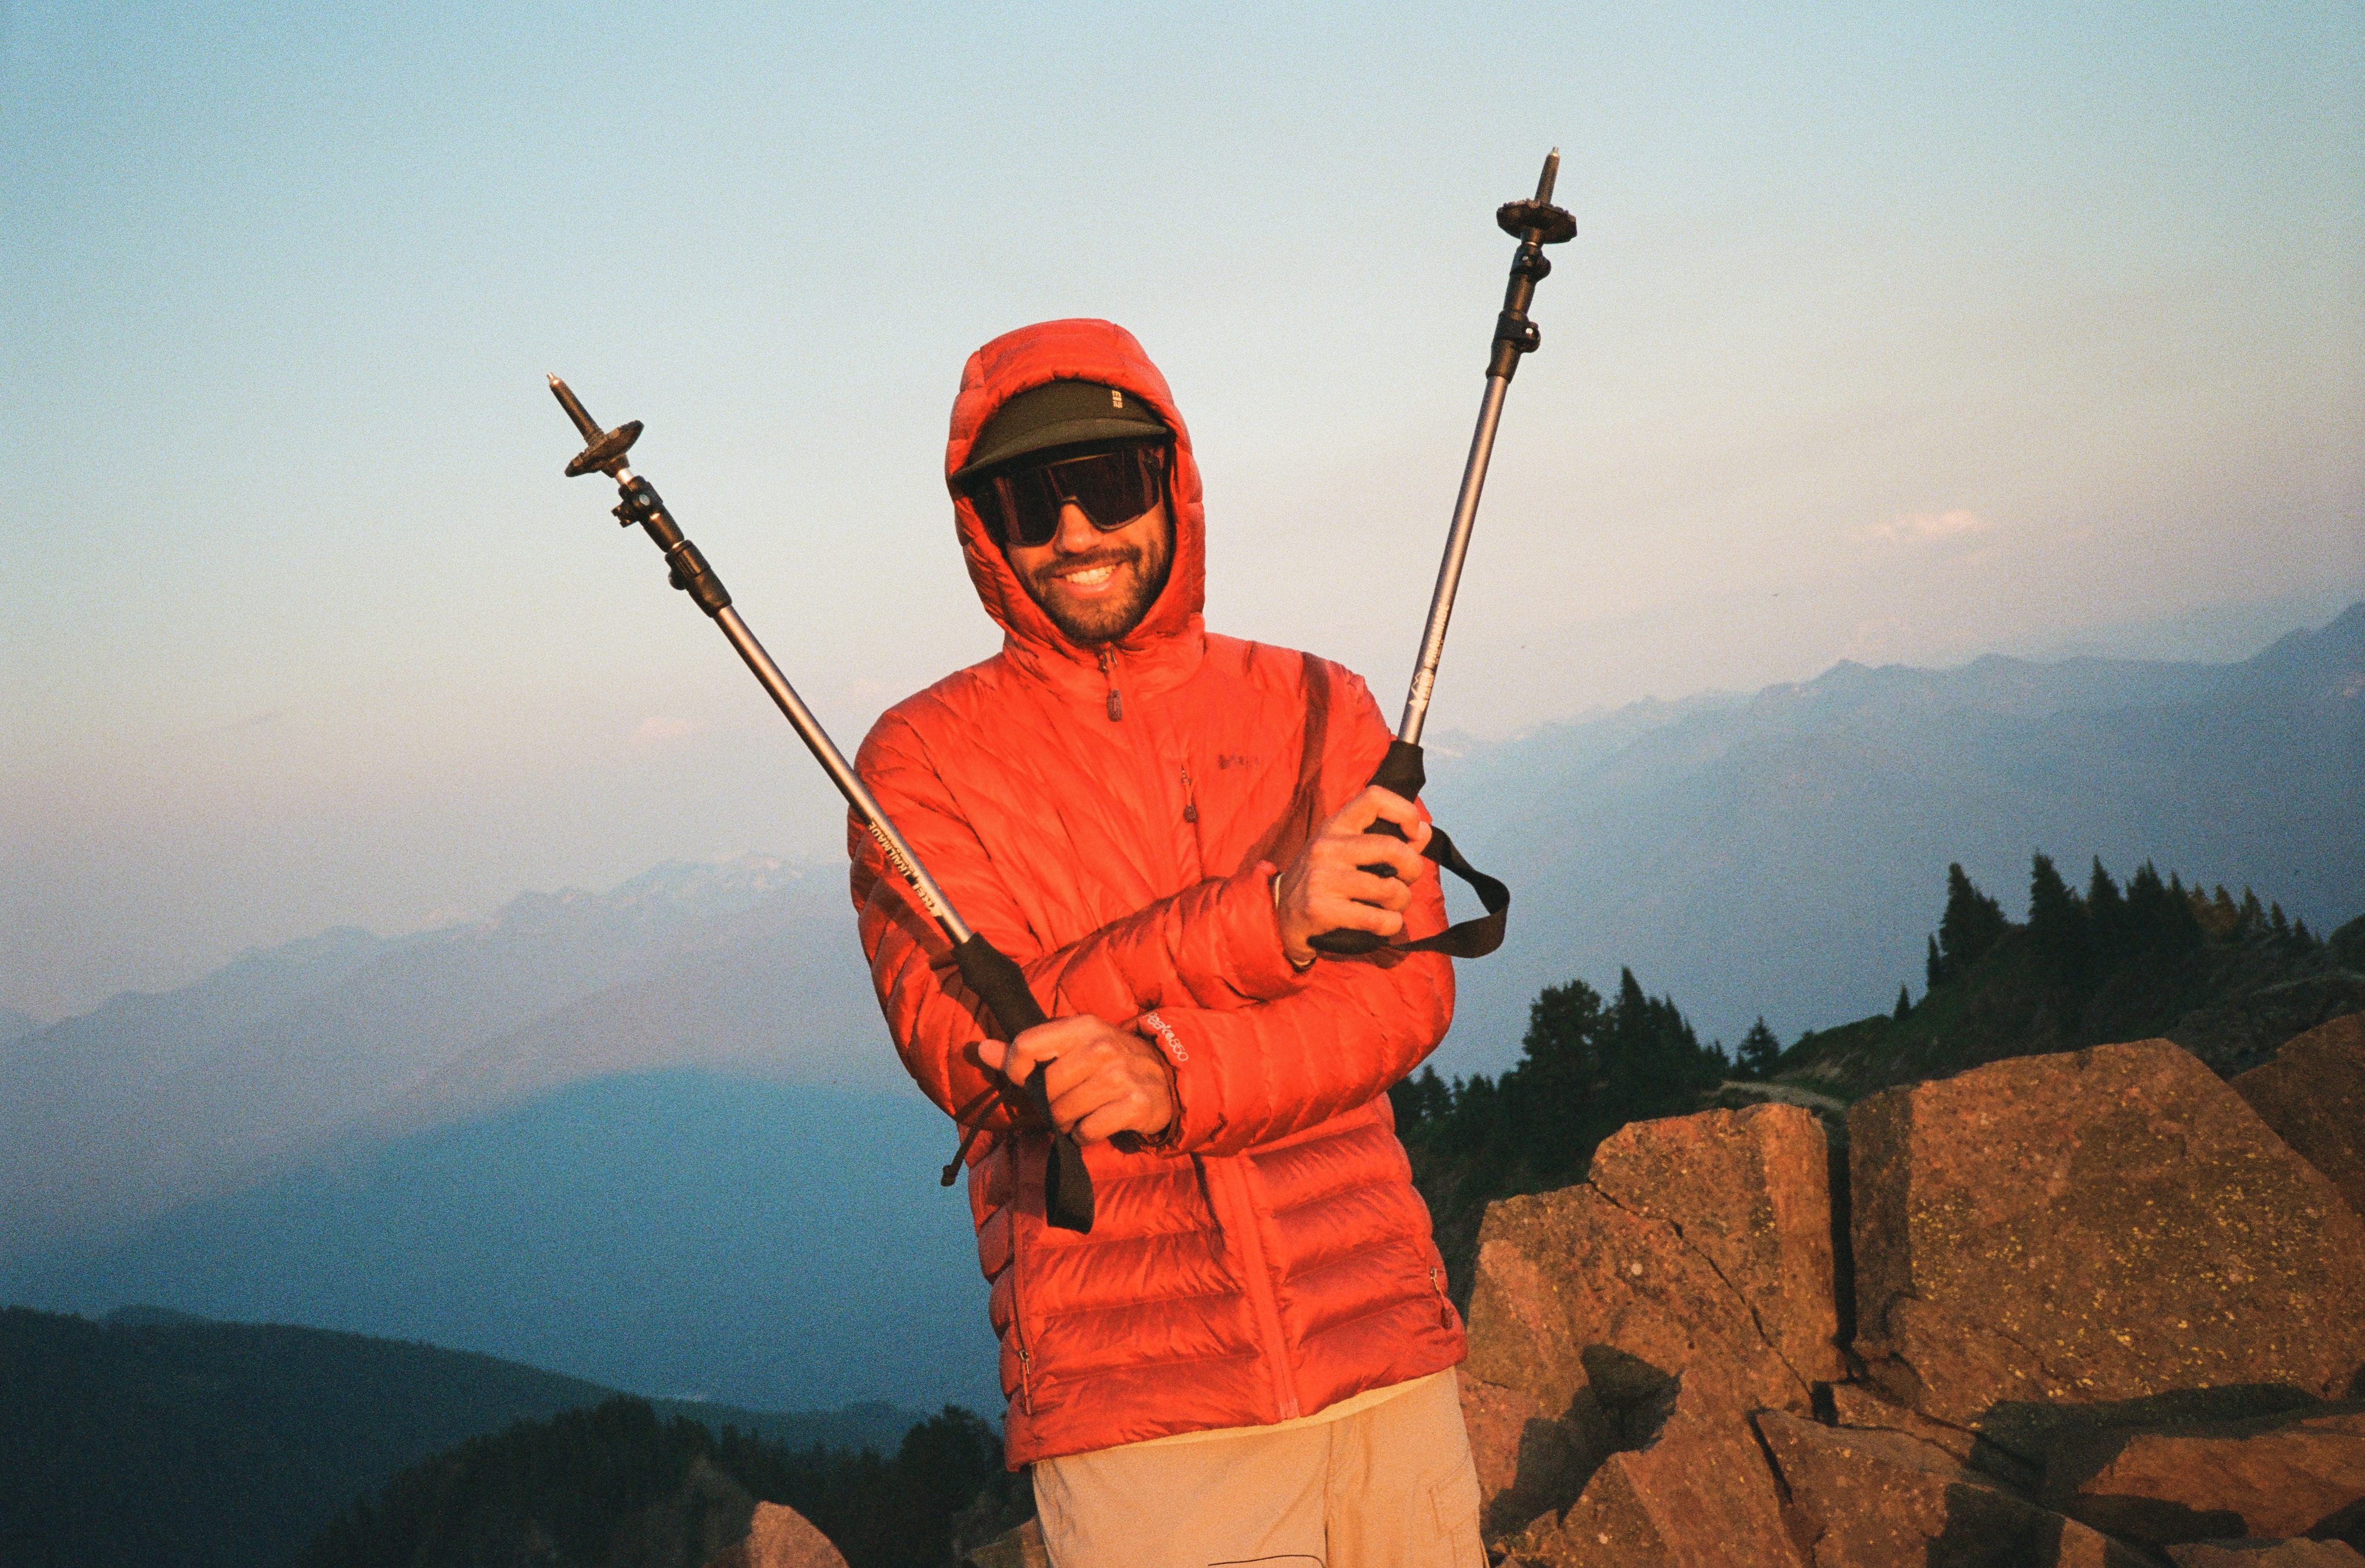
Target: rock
<point x="1881" y="1499"/>
<point x="779" y="1537"/>
<point x="2312" y="1094"/>
<point x="2102" y="1225"/>
<point x="1855" y="1404"/>
<point x="2265" y="1554"/>
<point x="2037" y="1430"/>
<point x="1751" y="1192"/>
<point x="1696" y="1493"/>
<point x="1528" y="1463"/>
<point x="1019" y="1547"/>
<point x="2302" y="1473"/>
<point x="1561" y="1272"/>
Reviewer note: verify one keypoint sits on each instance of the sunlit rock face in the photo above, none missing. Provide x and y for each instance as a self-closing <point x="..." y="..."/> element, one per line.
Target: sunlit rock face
<point x="2106" y="1313"/>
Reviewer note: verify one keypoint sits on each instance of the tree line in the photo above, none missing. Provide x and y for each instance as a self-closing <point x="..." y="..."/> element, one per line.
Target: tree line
<point x="571" y="1490"/>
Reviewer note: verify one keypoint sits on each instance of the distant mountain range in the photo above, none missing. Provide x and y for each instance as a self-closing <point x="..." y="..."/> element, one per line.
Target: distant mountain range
<point x="1780" y="854"/>
<point x="679" y="1232"/>
<point x="346" y="1040"/>
<point x="160" y="1437"/>
<point x="657" y="1138"/>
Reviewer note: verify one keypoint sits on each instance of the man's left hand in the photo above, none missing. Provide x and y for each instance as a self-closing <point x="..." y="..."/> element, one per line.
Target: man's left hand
<point x="1102" y="1080"/>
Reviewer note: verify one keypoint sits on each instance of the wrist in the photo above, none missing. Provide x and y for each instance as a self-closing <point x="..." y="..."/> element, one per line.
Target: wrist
<point x="1288" y="951"/>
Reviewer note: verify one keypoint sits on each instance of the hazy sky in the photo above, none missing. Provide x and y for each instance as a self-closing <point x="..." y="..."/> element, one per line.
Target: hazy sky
<point x="1890" y="334"/>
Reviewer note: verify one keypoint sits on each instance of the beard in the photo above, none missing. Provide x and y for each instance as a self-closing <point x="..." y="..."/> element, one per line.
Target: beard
<point x="1140" y="572"/>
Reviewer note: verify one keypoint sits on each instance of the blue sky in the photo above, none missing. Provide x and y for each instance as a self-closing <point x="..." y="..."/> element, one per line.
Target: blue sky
<point x="1891" y="333"/>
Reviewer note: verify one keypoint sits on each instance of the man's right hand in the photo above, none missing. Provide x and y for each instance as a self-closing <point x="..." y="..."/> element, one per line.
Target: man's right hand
<point x="1326" y="888"/>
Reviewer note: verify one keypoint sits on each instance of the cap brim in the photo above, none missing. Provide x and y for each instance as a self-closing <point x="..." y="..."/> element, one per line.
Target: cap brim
<point x="1068" y="433"/>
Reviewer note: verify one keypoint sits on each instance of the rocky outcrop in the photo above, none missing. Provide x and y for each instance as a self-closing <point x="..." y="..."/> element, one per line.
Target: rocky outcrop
<point x="2266" y="1555"/>
<point x="1750" y="1191"/>
<point x="1623" y="1331"/>
<point x="1019" y="1547"/>
<point x="1527" y="1462"/>
<point x="2312" y="1094"/>
<point x="2296" y="1473"/>
<point x="2103" y="1224"/>
<point x="1693" y="1227"/>
<point x="1881" y="1499"/>
<point x="2107" y="1312"/>
<point x="1687" y="1488"/>
<point x="779" y="1537"/>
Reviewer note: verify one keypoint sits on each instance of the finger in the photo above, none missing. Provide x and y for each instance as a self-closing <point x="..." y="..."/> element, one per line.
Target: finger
<point x="1386" y="805"/>
<point x="1078" y="1102"/>
<point x="1028" y="1051"/>
<point x="1405" y="859"/>
<point x="1355" y="915"/>
<point x="1120" y="1116"/>
<point x="1366" y="887"/>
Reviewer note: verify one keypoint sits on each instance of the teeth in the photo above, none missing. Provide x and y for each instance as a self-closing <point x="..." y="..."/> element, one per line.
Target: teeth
<point x="1091" y="577"/>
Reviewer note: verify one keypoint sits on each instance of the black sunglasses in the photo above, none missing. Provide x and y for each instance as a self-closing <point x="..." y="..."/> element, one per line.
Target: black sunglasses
<point x="1111" y="489"/>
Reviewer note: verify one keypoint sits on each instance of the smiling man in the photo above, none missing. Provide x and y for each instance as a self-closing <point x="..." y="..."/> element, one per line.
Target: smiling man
<point x="1250" y="1356"/>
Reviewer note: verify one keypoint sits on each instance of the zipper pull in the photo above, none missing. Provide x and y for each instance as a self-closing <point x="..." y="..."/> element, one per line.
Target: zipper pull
<point x="1190" y="796"/>
<point x="1115" y="703"/>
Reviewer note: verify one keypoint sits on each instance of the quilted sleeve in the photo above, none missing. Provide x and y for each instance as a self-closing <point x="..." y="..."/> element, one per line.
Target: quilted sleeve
<point x="1213" y="946"/>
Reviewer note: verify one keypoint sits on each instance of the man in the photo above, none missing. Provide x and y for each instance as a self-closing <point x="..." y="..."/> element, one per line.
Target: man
<point x="1250" y="1356"/>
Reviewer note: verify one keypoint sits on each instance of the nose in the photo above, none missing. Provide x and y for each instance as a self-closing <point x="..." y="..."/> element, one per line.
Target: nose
<point x="1076" y="533"/>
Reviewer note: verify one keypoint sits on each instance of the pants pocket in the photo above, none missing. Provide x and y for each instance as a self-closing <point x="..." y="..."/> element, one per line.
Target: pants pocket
<point x="1455" y="1498"/>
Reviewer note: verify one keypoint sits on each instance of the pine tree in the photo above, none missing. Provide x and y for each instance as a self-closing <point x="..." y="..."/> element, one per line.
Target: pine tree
<point x="1904" y="1005"/>
<point x="1933" y="968"/>
<point x="2254" y="919"/>
<point x="1759" y="1050"/>
<point x="2302" y="938"/>
<point x="2106" y="911"/>
<point x="1973" y="923"/>
<point x="2057" y="924"/>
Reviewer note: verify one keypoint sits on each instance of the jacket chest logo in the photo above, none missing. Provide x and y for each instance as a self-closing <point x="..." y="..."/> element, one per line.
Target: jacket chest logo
<point x="1237" y="759"/>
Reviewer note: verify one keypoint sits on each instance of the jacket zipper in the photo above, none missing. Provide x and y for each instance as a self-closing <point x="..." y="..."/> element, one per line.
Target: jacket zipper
<point x="1190" y="796"/>
<point x="1018" y="1324"/>
<point x="1108" y="673"/>
<point x="1444" y="1306"/>
<point x="1241" y="1224"/>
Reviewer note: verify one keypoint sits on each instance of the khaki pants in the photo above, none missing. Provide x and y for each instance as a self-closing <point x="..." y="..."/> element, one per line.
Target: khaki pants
<point x="1390" y="1486"/>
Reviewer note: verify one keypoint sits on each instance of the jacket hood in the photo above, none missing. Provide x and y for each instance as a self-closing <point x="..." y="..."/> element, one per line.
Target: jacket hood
<point x="1075" y="351"/>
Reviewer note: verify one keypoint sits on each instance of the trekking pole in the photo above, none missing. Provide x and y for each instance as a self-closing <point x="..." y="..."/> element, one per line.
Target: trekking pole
<point x="1067" y="1186"/>
<point x="1536" y="223"/>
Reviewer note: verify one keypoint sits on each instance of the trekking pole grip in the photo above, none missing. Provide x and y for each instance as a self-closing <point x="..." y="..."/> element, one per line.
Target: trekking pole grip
<point x="1001" y="984"/>
<point x="1400" y="773"/>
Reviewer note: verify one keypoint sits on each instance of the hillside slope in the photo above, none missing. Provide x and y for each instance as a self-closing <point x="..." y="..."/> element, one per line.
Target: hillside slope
<point x="193" y="1444"/>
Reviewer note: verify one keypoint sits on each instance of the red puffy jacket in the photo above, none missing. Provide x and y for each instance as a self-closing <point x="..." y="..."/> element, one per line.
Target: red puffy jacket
<point x="1111" y="819"/>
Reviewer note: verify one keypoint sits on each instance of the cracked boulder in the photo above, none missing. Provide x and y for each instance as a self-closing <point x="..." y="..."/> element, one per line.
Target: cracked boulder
<point x="2300" y="1472"/>
<point x="1702" y="1247"/>
<point x="2265" y="1554"/>
<point x="2103" y="1225"/>
<point x="1882" y="1499"/>
<point x="779" y="1537"/>
<point x="1528" y="1462"/>
<point x="2312" y="1093"/>
<point x="1750" y="1191"/>
<point x="1690" y="1488"/>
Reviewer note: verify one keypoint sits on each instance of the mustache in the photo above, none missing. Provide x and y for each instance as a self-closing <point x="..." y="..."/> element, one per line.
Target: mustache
<point x="1102" y="555"/>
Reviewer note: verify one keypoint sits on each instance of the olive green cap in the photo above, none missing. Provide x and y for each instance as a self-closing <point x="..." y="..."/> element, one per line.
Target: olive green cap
<point x="1061" y="413"/>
